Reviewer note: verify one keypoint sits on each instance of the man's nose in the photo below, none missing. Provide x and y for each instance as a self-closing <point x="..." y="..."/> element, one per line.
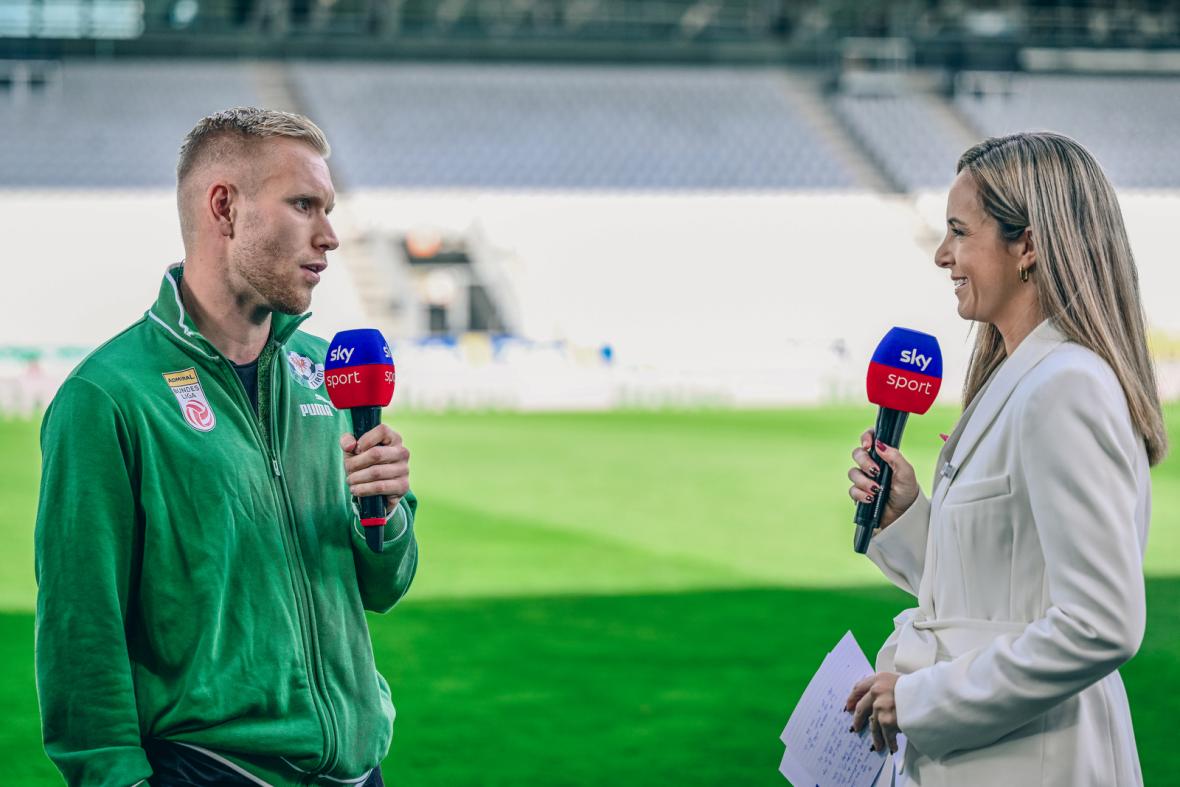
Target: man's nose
<point x="327" y="240"/>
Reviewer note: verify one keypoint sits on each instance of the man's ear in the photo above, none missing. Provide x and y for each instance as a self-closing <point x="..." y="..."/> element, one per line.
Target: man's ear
<point x="221" y="200"/>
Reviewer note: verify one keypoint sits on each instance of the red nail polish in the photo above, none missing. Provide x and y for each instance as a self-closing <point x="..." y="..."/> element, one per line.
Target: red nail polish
<point x="869" y="499"/>
<point x="881" y="446"/>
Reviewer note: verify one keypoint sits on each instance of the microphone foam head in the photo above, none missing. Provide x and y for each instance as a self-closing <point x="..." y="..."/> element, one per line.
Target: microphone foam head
<point x="359" y="371"/>
<point x="906" y="371"/>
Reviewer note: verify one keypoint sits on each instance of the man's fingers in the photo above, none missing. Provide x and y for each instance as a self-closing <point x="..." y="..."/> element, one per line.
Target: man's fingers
<point x="378" y="472"/>
<point x="396" y="487"/>
<point x="381" y="454"/>
<point x="347" y="442"/>
<point x="381" y="434"/>
<point x="378" y="465"/>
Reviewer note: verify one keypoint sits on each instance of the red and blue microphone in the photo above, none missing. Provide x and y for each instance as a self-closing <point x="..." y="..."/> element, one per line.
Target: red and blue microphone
<point x="360" y="376"/>
<point x="904" y="377"/>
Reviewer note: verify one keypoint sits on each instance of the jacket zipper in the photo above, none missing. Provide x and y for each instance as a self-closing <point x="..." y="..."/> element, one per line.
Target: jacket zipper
<point x="319" y="679"/>
<point x="301" y="583"/>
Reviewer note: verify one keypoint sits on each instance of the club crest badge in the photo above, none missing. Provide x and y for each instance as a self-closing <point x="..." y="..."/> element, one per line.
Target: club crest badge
<point x="186" y="386"/>
<point x="305" y="371"/>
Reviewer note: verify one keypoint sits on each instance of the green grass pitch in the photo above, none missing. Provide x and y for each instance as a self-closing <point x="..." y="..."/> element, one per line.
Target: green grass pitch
<point x="617" y="598"/>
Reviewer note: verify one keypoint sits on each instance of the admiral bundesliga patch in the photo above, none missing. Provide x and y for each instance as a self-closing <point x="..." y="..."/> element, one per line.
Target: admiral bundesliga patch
<point x="305" y="371"/>
<point x="191" y="397"/>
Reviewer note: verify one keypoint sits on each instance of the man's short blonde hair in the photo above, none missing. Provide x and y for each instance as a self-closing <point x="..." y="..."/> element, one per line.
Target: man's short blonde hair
<point x="229" y="132"/>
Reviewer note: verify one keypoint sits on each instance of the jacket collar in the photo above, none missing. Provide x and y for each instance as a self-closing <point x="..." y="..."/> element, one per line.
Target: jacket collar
<point x="986" y="405"/>
<point x="168" y="313"/>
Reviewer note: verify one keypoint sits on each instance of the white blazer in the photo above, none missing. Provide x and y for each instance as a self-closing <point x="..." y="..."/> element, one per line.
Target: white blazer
<point x="1027" y="561"/>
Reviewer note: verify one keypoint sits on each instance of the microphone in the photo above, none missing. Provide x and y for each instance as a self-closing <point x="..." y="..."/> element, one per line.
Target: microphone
<point x="904" y="377"/>
<point x="359" y="375"/>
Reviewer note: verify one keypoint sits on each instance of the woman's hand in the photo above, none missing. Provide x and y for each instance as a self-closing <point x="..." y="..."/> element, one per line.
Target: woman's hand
<point x="872" y="702"/>
<point x="903" y="490"/>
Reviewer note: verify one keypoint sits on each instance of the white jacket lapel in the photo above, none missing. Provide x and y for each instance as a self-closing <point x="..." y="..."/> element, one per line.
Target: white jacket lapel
<point x="987" y="404"/>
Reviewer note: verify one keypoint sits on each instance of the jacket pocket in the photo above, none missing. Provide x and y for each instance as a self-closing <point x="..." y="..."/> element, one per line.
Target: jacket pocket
<point x="981" y="525"/>
<point x="975" y="491"/>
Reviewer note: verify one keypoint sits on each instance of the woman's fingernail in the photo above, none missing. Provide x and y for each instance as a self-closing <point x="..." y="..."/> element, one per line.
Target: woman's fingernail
<point x="868" y="498"/>
<point x="876" y="488"/>
<point x="881" y="446"/>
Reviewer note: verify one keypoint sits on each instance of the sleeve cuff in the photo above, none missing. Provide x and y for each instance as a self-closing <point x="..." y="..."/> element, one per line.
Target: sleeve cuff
<point x="900" y="549"/>
<point x="395" y="520"/>
<point x="908" y="694"/>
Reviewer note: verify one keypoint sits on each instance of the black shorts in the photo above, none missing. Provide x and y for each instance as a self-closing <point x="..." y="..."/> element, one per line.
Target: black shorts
<point x="174" y="765"/>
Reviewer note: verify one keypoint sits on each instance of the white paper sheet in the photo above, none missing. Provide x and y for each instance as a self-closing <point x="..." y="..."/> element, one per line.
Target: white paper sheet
<point x="820" y="749"/>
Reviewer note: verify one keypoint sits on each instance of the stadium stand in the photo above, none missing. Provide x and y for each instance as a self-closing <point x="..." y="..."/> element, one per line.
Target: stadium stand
<point x="526" y="127"/>
<point x="909" y="136"/>
<point x="99" y="125"/>
<point x="1128" y="123"/>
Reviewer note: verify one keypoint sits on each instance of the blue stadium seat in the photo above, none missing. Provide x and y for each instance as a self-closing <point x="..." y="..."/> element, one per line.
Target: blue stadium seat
<point x="907" y="137"/>
<point x="521" y="127"/>
<point x="1128" y="123"/>
<point x="111" y="126"/>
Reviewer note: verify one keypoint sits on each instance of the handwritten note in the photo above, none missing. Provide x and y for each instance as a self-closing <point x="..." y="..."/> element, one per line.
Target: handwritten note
<point x="820" y="749"/>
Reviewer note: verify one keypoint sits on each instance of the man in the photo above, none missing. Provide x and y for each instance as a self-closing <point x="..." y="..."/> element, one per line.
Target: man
<point x="201" y="567"/>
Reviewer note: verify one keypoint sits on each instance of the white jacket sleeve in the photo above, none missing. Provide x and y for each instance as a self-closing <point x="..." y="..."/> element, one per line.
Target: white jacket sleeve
<point x="900" y="549"/>
<point x="1078" y="453"/>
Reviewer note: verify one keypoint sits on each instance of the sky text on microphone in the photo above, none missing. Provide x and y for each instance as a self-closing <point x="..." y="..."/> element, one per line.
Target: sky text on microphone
<point x="359" y="369"/>
<point x="906" y="371"/>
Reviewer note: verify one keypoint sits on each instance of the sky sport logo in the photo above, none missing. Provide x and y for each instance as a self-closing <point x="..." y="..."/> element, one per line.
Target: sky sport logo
<point x="905" y="372"/>
<point x="913" y="358"/>
<point x="186" y="386"/>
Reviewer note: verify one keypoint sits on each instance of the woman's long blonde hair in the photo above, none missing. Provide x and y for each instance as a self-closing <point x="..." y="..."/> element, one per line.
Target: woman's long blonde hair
<point x="1085" y="273"/>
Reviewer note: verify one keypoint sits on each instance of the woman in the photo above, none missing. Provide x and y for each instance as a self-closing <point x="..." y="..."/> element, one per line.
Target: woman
<point x="1026" y="558"/>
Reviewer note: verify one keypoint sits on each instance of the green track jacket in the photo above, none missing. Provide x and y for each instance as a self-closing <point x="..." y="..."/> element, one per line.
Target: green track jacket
<point x="202" y="575"/>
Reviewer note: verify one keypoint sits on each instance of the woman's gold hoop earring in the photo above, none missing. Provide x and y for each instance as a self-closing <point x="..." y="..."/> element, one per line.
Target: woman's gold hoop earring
<point x="1024" y="273"/>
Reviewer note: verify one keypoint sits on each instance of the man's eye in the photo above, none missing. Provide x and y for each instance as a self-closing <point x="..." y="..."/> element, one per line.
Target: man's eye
<point x="303" y="204"/>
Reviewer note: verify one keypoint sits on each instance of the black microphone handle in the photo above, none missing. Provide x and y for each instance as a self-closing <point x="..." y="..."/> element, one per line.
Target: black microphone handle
<point x="890" y="425"/>
<point x="364" y="420"/>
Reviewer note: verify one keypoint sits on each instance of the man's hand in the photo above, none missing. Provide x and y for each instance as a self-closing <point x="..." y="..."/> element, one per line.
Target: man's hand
<point x="872" y="701"/>
<point x="377" y="464"/>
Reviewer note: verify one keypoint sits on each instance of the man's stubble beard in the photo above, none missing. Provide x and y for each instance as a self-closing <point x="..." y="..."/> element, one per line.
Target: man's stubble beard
<point x="260" y="261"/>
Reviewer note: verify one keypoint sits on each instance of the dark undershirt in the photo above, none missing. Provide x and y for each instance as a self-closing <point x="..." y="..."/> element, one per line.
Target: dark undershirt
<point x="248" y="374"/>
